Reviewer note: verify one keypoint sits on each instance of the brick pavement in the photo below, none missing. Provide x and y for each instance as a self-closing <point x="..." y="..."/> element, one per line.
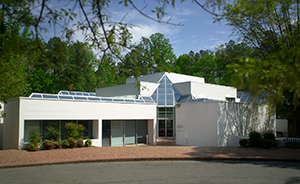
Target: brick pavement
<point x="18" y="158"/>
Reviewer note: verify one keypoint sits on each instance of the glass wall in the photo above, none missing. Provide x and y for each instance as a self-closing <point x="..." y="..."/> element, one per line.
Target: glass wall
<point x="59" y="125"/>
<point x="117" y="133"/>
<point x="48" y="123"/>
<point x="142" y="130"/>
<point x="165" y="94"/>
<point x="124" y="132"/>
<point x="106" y="132"/>
<point x="129" y="132"/>
<point x="28" y="125"/>
<point x="165" y="122"/>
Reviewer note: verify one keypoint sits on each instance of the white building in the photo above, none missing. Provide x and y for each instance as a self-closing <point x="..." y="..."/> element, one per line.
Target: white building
<point x="157" y="106"/>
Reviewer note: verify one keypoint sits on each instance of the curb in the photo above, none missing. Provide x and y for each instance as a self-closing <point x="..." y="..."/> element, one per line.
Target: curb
<point x="154" y="159"/>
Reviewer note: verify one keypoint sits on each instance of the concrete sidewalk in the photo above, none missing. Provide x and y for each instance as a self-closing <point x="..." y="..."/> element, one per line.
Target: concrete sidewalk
<point x="20" y="158"/>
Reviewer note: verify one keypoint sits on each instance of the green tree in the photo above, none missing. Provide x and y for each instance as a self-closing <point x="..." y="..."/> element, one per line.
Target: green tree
<point x="79" y="71"/>
<point x="151" y="55"/>
<point x="272" y="27"/>
<point x="13" y="62"/>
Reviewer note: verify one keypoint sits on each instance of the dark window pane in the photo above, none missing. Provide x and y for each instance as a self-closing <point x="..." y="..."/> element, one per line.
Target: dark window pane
<point x="36" y="96"/>
<point x="88" y="131"/>
<point x="106" y="132"/>
<point x="65" y="97"/>
<point x="79" y="98"/>
<point x="142" y="130"/>
<point x="46" y="124"/>
<point x="27" y="128"/>
<point x="50" y="96"/>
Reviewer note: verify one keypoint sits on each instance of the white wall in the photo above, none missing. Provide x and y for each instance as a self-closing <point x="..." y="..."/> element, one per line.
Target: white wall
<point x="44" y="109"/>
<point x="238" y="119"/>
<point x="202" y="90"/>
<point x="199" y="122"/>
<point x="11" y="125"/>
<point x="212" y="91"/>
<point x="282" y="126"/>
<point x="147" y="88"/>
<point x="174" y="77"/>
<point x="178" y="78"/>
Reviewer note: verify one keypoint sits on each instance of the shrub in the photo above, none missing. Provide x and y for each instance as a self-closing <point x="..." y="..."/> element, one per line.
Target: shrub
<point x="53" y="133"/>
<point x="269" y="140"/>
<point x="269" y="135"/>
<point x="88" y="143"/>
<point x="48" y="144"/>
<point x="34" y="138"/>
<point x="267" y="143"/>
<point x="32" y="147"/>
<point x="72" y="142"/>
<point x="255" y="139"/>
<point x="66" y="143"/>
<point x="58" y="144"/>
<point x="75" y="131"/>
<point x="243" y="142"/>
<point x="80" y="143"/>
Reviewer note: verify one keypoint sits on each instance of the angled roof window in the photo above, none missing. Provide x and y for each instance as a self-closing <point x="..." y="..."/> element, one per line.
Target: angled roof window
<point x="80" y="98"/>
<point x="65" y="97"/>
<point x="50" y="96"/>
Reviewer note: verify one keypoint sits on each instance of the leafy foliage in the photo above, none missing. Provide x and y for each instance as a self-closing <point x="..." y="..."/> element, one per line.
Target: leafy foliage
<point x="53" y="133"/>
<point x="74" y="131"/>
<point x="34" y="138"/>
<point x="34" y="135"/>
<point x="272" y="29"/>
<point x="255" y="139"/>
<point x="244" y="142"/>
<point x="88" y="143"/>
<point x="48" y="144"/>
<point x="58" y="144"/>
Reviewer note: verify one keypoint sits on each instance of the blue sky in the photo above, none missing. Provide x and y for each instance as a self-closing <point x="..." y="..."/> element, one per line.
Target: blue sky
<point x="197" y="33"/>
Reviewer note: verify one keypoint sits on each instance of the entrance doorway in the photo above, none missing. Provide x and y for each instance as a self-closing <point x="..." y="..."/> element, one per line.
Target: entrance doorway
<point x="165" y="128"/>
<point x="124" y="132"/>
<point x="166" y="122"/>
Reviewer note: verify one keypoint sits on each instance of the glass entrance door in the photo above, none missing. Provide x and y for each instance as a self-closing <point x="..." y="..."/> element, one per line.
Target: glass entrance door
<point x="169" y="128"/>
<point x="165" y="128"/>
<point x="162" y="128"/>
<point x="165" y="122"/>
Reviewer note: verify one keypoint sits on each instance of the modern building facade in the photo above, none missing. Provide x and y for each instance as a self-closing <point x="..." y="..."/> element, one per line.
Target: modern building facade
<point x="158" y="106"/>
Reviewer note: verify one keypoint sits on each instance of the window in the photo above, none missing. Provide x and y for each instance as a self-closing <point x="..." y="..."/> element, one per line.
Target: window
<point x="57" y="124"/>
<point x="230" y="99"/>
<point x="165" y="94"/>
<point x="28" y="124"/>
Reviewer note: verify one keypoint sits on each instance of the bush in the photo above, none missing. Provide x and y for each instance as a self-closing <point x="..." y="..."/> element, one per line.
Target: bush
<point x="48" y="144"/>
<point x="244" y="142"/>
<point x="269" y="140"/>
<point x="66" y="143"/>
<point x="75" y="131"/>
<point x="88" y="143"/>
<point x="80" y="143"/>
<point x="33" y="147"/>
<point x="270" y="143"/>
<point x="72" y="142"/>
<point x="53" y="134"/>
<point x="255" y="139"/>
<point x="34" y="138"/>
<point x="58" y="144"/>
<point x="269" y="135"/>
